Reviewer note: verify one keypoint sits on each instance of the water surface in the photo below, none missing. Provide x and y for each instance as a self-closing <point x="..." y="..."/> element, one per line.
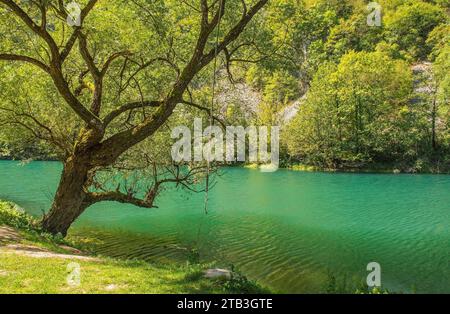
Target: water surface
<point x="289" y="230"/>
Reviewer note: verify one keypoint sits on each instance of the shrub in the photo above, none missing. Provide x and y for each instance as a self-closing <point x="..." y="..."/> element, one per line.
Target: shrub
<point x="14" y="216"/>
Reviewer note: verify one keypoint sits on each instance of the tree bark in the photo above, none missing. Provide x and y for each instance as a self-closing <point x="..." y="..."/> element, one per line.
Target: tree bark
<point x="69" y="202"/>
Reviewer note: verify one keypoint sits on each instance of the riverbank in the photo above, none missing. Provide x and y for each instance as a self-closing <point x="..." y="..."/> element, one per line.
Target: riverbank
<point x="372" y="168"/>
<point x="34" y="262"/>
<point x="420" y="167"/>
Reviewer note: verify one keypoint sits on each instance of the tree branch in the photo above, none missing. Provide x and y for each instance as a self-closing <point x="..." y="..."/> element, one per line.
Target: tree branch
<point x="14" y="57"/>
<point x="208" y="110"/>
<point x="87" y="57"/>
<point x="72" y="39"/>
<point x="55" y="68"/>
<point x="51" y="138"/>
<point x="116" y="196"/>
<point x="41" y="32"/>
<point x="234" y="33"/>
<point x="129" y="106"/>
<point x="111" y="148"/>
<point x="145" y="65"/>
<point x="112" y="58"/>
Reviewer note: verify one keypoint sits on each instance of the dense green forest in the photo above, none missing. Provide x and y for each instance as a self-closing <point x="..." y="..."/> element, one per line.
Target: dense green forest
<point x="378" y="94"/>
<point x="355" y="95"/>
<point x="371" y="95"/>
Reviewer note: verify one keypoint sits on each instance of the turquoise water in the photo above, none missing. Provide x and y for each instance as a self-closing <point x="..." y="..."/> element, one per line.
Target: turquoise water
<point x="286" y="229"/>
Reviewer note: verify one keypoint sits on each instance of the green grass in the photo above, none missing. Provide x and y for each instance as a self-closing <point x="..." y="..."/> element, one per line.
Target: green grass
<point x="20" y="273"/>
<point x="23" y="274"/>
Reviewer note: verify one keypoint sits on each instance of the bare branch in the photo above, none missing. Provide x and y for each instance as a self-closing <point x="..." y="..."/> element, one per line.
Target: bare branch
<point x="112" y="58"/>
<point x="116" y="196"/>
<point x="129" y="106"/>
<point x="208" y="110"/>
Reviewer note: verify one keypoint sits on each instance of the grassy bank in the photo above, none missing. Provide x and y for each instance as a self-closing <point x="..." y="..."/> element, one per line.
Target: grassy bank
<point x="34" y="262"/>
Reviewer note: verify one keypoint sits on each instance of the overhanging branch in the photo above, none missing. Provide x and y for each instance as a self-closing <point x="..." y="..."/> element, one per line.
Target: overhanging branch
<point x="234" y="33"/>
<point x="116" y="196"/>
<point x="55" y="67"/>
<point x="208" y="110"/>
<point x="14" y="57"/>
<point x="129" y="106"/>
<point x="111" y="148"/>
<point x="41" y="32"/>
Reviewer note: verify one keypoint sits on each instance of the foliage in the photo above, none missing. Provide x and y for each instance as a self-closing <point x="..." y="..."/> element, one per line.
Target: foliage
<point x="103" y="94"/>
<point x="342" y="285"/>
<point x="354" y="112"/>
<point x="441" y="70"/>
<point x="409" y="25"/>
<point x="12" y="215"/>
<point x="352" y="34"/>
<point x="239" y="283"/>
<point x="438" y="39"/>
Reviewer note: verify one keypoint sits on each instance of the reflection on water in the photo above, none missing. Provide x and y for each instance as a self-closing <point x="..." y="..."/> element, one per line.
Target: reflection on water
<point x="286" y="229"/>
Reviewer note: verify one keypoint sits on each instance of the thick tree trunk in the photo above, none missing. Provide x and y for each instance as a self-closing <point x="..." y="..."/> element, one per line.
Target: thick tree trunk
<point x="68" y="203"/>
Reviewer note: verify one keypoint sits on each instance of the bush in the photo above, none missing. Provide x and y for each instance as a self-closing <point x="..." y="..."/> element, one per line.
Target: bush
<point x="410" y="24"/>
<point x="14" y="216"/>
<point x="239" y="283"/>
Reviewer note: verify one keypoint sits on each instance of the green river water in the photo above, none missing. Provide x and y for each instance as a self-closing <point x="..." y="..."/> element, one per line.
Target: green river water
<point x="289" y="230"/>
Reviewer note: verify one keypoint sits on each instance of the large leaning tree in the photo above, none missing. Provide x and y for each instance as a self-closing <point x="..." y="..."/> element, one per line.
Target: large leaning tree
<point x="96" y="91"/>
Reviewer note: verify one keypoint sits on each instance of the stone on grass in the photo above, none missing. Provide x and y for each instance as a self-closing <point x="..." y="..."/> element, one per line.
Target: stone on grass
<point x="217" y="273"/>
